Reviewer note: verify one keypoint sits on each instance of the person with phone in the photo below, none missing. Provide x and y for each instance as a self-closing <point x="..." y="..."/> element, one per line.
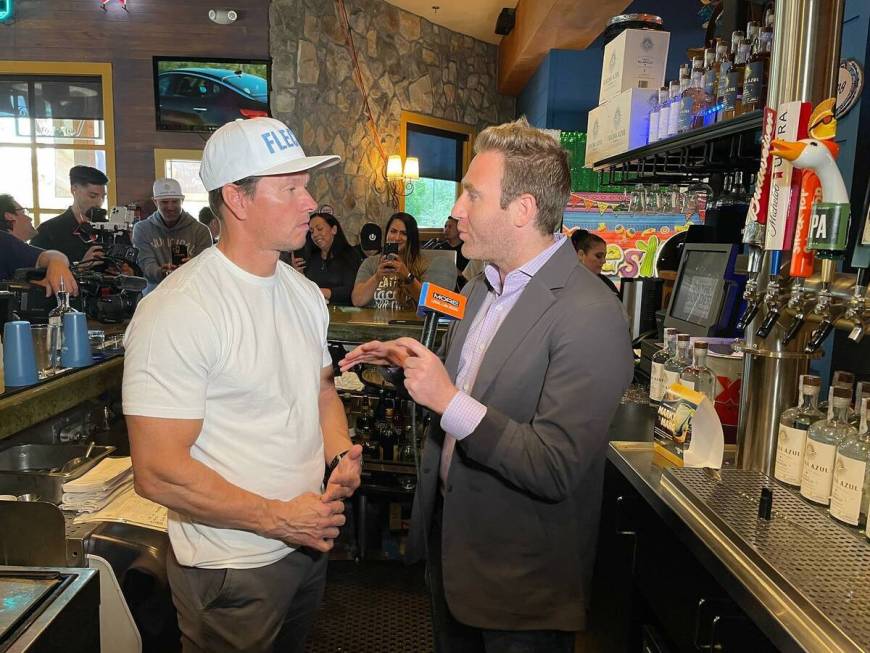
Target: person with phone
<point x="393" y="279"/>
<point x="170" y="236"/>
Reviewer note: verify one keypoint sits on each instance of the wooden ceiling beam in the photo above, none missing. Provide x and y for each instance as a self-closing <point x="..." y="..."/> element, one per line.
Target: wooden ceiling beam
<point x="544" y="25"/>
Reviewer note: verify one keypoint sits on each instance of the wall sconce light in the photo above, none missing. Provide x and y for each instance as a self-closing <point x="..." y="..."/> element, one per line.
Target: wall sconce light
<point x="403" y="176"/>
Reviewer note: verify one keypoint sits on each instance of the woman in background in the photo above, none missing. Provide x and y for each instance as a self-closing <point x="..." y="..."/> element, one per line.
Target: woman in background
<point x="392" y="281"/>
<point x="328" y="259"/>
<point x="592" y="253"/>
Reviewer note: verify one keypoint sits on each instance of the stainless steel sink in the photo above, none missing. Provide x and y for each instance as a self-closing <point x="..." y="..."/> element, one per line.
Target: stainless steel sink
<point x="35" y="468"/>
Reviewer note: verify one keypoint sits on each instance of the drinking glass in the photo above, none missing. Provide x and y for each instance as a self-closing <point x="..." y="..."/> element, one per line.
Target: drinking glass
<point x="42" y="350"/>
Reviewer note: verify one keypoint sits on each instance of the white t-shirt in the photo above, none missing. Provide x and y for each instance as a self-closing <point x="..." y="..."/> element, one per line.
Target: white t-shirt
<point x="244" y="354"/>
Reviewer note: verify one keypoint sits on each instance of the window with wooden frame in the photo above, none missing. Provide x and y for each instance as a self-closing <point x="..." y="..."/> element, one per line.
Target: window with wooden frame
<point x="443" y="148"/>
<point x="53" y="116"/>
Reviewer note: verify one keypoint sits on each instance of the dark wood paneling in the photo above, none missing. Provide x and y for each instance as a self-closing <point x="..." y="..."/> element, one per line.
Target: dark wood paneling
<point x="78" y="30"/>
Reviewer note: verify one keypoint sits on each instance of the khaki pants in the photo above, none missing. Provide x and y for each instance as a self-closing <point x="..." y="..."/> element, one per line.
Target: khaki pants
<point x="257" y="610"/>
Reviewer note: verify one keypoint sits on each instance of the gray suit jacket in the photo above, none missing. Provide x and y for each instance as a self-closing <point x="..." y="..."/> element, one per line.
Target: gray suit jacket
<point x="523" y="492"/>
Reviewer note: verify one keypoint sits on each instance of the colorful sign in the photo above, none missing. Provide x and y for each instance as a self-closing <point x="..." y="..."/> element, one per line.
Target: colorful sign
<point x="6" y="10"/>
<point x="633" y="240"/>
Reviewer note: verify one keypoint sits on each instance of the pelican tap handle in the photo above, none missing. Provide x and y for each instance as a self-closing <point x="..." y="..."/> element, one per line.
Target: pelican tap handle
<point x="772" y="303"/>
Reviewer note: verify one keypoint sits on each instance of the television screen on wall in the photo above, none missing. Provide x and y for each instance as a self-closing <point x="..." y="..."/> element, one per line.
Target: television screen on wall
<point x="200" y="95"/>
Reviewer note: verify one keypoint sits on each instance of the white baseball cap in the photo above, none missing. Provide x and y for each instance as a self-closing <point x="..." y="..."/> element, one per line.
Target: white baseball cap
<point x="255" y="147"/>
<point x="166" y="189"/>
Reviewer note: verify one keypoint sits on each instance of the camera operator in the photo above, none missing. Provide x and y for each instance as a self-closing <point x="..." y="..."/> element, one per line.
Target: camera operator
<point x="15" y="228"/>
<point x="168" y="237"/>
<point x="64" y="233"/>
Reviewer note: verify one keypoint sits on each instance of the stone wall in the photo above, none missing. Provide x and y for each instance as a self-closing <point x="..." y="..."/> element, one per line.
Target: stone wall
<point x="407" y="63"/>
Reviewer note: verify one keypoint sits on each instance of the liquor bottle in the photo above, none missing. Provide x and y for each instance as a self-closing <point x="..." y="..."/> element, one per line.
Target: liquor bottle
<point x="674" y="91"/>
<point x="698" y="376"/>
<point x="387" y="436"/>
<point x="678" y="362"/>
<point x="841" y="379"/>
<point x="862" y="390"/>
<point x="737" y="37"/>
<point x="657" y="368"/>
<point x="653" y="130"/>
<point x="733" y="96"/>
<point x="793" y="425"/>
<point x="708" y="73"/>
<point x="850" y="491"/>
<point x="55" y="324"/>
<point x="711" y="78"/>
<point x="685" y="71"/>
<point x="687" y="101"/>
<point x="698" y="65"/>
<point x="823" y="438"/>
<point x="757" y="72"/>
<point x="664" y="112"/>
<point x="721" y="86"/>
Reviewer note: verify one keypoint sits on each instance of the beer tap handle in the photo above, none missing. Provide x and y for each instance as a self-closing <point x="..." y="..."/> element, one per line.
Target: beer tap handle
<point x="818" y="336"/>
<point x="793" y="328"/>
<point x="752" y="306"/>
<point x="769" y="321"/>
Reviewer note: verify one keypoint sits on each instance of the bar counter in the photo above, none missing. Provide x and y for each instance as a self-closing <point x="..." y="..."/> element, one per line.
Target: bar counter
<point x="711" y="575"/>
<point x="22" y="408"/>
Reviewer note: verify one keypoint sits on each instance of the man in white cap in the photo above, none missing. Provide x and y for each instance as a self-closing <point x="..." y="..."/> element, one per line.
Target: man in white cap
<point x="231" y="408"/>
<point x="168" y="237"/>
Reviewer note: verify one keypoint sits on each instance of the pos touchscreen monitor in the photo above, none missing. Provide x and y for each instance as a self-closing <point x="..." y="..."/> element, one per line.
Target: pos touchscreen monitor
<point x="706" y="291"/>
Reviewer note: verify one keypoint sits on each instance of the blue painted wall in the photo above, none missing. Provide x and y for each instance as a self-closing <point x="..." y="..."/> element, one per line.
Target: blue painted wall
<point x="565" y="87"/>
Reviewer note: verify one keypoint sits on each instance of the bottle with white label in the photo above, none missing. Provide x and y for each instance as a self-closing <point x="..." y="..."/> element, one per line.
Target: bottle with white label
<point x="664" y="112"/>
<point x="653" y="132"/>
<point x="842" y="379"/>
<point x="793" y="425"/>
<point x="850" y="492"/>
<point x="657" y="368"/>
<point x="676" y="92"/>
<point x="698" y="376"/>
<point x="823" y="438"/>
<point x="675" y="365"/>
<point x="862" y="389"/>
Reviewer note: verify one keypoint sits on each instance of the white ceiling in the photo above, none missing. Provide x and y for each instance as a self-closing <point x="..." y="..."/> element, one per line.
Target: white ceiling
<point x="473" y="17"/>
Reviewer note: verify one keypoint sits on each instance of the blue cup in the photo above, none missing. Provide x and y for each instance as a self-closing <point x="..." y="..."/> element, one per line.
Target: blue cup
<point x="19" y="363"/>
<point x="76" y="350"/>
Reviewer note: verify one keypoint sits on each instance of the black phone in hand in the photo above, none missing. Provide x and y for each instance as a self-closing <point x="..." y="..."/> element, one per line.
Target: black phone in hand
<point x="391" y="249"/>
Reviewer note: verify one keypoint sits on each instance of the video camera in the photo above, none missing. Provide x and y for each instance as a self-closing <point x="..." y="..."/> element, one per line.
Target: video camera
<point x="112" y="230"/>
<point x="107" y="298"/>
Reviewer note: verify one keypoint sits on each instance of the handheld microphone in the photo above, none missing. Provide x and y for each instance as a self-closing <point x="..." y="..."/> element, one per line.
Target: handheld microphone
<point x="436" y="302"/>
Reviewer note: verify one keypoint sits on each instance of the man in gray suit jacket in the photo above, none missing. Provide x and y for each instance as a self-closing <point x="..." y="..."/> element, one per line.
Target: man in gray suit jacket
<point x="507" y="504"/>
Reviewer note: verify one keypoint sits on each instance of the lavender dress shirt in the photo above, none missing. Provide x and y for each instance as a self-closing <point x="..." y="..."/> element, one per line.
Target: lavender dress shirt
<point x="464" y="413"/>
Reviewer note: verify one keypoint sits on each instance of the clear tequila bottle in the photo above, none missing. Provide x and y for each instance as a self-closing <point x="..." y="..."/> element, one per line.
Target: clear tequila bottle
<point x="698" y="376"/>
<point x="823" y="438"/>
<point x="793" y="426"/>
<point x="664" y="112"/>
<point x="657" y="368"/>
<point x="675" y="91"/>
<point x="678" y="362"/>
<point x="850" y="491"/>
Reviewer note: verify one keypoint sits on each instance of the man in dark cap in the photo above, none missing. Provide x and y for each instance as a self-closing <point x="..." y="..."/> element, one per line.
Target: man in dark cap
<point x="369" y="241"/>
<point x="64" y="233"/>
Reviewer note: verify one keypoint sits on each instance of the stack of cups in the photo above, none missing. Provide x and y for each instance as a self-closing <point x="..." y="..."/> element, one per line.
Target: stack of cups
<point x="19" y="363"/>
<point x="76" y="350"/>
